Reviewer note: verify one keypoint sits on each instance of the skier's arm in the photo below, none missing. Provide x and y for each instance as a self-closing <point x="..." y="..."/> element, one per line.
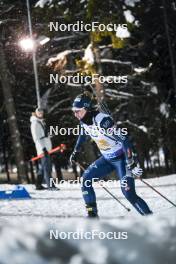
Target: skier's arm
<point x="107" y="123"/>
<point x="81" y="139"/>
<point x="127" y="146"/>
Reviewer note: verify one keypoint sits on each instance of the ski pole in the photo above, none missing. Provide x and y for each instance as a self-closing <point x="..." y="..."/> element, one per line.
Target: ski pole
<point x="146" y="183"/>
<point x="111" y="194"/>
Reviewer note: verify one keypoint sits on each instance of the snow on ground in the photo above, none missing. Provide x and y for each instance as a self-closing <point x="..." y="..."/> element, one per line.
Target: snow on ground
<point x="26" y="227"/>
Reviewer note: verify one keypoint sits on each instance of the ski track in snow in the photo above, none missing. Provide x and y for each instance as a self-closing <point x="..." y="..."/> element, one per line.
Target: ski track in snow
<point x="51" y="205"/>
<point x="25" y="227"/>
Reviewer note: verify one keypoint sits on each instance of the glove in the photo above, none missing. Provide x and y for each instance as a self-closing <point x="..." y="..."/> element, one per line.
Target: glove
<point x="74" y="157"/>
<point x="45" y="152"/>
<point x="135" y="169"/>
<point x="137" y="172"/>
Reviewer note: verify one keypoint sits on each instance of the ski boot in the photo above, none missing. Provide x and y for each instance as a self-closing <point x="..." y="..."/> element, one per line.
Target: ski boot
<point x="92" y="210"/>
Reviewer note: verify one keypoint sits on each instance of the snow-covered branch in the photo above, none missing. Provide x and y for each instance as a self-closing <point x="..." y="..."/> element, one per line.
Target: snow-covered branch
<point x="140" y="127"/>
<point x="51" y="109"/>
<point x="116" y="61"/>
<point x="114" y="93"/>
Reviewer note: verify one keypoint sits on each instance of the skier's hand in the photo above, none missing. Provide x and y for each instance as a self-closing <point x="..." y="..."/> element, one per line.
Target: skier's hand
<point x="74" y="157"/>
<point x="135" y="169"/>
<point x="45" y="152"/>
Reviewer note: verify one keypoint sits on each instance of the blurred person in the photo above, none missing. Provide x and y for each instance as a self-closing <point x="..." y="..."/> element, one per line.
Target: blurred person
<point x="43" y="145"/>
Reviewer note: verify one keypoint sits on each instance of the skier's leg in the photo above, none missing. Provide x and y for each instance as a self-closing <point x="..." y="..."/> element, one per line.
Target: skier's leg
<point x="128" y="188"/>
<point x="130" y="193"/>
<point x="95" y="171"/>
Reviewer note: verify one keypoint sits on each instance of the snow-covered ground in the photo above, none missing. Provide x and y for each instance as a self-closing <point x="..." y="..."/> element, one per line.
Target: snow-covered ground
<point x="38" y="230"/>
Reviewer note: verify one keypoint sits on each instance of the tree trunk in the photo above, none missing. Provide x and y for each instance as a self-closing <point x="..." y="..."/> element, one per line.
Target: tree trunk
<point x="6" y="162"/>
<point x="98" y="86"/>
<point x="5" y="78"/>
<point x="171" y="55"/>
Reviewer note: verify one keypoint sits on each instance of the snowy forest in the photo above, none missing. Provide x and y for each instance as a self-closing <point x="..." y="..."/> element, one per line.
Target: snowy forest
<point x="145" y="104"/>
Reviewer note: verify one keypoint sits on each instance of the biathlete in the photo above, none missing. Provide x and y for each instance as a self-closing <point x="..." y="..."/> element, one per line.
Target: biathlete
<point x="116" y="156"/>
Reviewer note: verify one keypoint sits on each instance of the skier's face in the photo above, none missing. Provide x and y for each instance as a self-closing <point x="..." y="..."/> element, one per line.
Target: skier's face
<point x="79" y="114"/>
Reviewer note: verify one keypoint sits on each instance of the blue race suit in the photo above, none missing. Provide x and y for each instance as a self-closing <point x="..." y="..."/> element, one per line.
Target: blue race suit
<point x="115" y="150"/>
